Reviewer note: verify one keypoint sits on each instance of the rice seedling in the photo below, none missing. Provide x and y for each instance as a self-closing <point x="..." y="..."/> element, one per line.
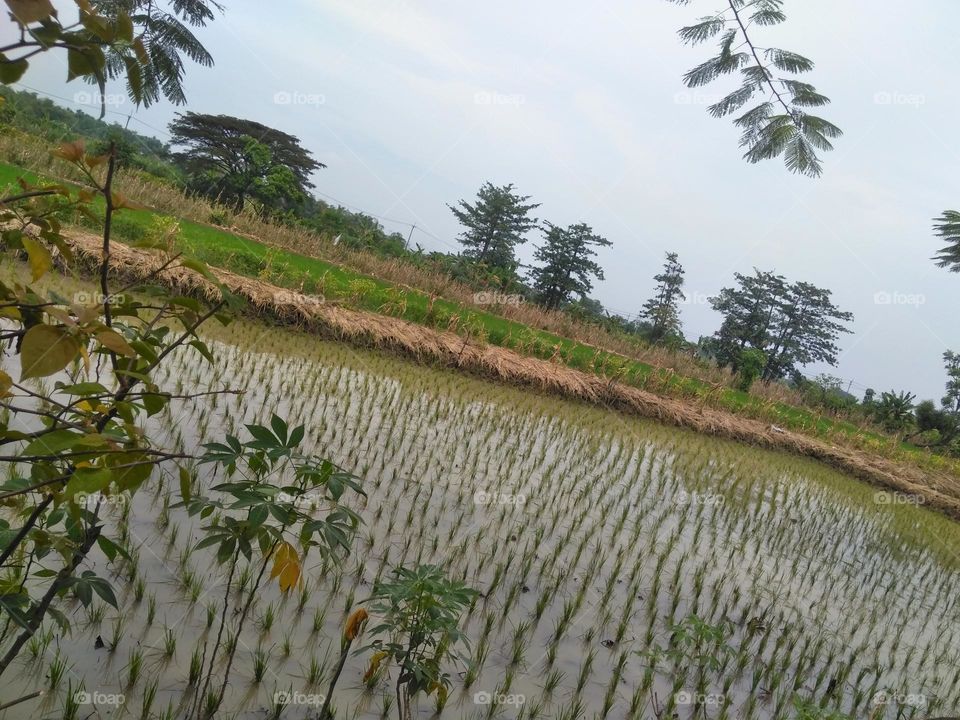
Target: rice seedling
<point x="134" y="667"/>
<point x="627" y="530"/>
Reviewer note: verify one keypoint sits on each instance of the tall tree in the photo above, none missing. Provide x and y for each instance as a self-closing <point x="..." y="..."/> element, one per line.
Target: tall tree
<point x="779" y="124"/>
<point x="662" y="311"/>
<point x="494" y="225"/>
<point x="166" y="39"/>
<point x="793" y="324"/>
<point x="230" y="159"/>
<point x="567" y="267"/>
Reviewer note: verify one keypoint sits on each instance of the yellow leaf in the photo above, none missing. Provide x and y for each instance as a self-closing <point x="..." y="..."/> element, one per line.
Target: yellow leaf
<point x="286" y="566"/>
<point x="31" y="11"/>
<point x="6" y="382"/>
<point x="375" y="661"/>
<point x="38" y="256"/>
<point x="354" y="623"/>
<point x="46" y="349"/>
<point x="113" y="341"/>
<point x="85" y="356"/>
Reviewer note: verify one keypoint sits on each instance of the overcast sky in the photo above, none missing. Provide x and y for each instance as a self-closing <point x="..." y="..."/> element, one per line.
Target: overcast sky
<point x="413" y="105"/>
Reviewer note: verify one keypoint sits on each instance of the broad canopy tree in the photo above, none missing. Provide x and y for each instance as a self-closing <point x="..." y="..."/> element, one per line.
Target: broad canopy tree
<point x="793" y="324"/>
<point x="233" y="160"/>
<point x="494" y="225"/>
<point x="567" y="268"/>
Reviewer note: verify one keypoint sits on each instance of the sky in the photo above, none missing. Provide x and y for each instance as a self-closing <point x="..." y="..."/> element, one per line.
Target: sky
<point x="413" y="105"/>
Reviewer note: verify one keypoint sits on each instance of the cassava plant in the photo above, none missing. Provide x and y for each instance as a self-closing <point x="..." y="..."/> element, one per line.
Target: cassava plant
<point x="419" y="613"/>
<point x="277" y="502"/>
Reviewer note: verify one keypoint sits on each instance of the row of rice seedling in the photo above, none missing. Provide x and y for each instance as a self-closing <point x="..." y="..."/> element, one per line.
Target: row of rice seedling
<point x="624" y="569"/>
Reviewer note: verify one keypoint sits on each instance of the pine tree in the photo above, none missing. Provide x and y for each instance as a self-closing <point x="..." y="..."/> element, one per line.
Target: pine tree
<point x="494" y="226"/>
<point x="567" y="268"/>
<point x="662" y="311"/>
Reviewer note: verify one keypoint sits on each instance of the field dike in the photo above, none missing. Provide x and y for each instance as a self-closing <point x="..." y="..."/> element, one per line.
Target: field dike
<point x="427" y="345"/>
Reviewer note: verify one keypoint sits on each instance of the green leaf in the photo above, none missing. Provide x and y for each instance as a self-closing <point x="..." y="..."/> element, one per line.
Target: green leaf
<point x="46" y="349"/>
<point x="185" y="485"/>
<point x="12" y="70"/>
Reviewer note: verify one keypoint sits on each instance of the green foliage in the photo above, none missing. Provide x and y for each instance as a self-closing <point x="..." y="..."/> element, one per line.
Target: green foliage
<point x="894" y="410"/>
<point x="778" y="125"/>
<point x="567" y="268"/>
<point x="493" y="227"/>
<point x="661" y="311"/>
<point x="750" y="365"/>
<point x="231" y="160"/>
<point x="794" y="324"/>
<point x="419" y="629"/>
<point x="947" y="228"/>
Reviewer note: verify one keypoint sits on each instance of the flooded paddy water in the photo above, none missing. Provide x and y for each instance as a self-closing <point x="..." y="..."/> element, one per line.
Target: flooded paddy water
<point x="627" y="569"/>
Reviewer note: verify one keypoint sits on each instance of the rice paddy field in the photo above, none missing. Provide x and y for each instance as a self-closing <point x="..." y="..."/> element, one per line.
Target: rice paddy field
<point x="626" y="569"/>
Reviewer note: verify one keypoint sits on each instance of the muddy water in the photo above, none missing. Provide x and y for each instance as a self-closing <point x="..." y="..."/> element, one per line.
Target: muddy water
<point x="590" y="534"/>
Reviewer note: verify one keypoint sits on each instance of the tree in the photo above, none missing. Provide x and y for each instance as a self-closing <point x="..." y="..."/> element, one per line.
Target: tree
<point x="165" y="38"/>
<point x="792" y="323"/>
<point x="947" y="228"/>
<point x="894" y="410"/>
<point x="661" y="311"/>
<point x="778" y="125"/>
<point x="951" y="399"/>
<point x="567" y="268"/>
<point x="138" y="40"/>
<point x="232" y="160"/>
<point x="494" y="225"/>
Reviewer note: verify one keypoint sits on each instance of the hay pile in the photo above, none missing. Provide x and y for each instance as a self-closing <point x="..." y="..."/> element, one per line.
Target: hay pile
<point x="428" y="345"/>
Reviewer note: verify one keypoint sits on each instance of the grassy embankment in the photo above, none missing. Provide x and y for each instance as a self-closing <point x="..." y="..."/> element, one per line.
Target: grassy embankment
<point x="313" y="275"/>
